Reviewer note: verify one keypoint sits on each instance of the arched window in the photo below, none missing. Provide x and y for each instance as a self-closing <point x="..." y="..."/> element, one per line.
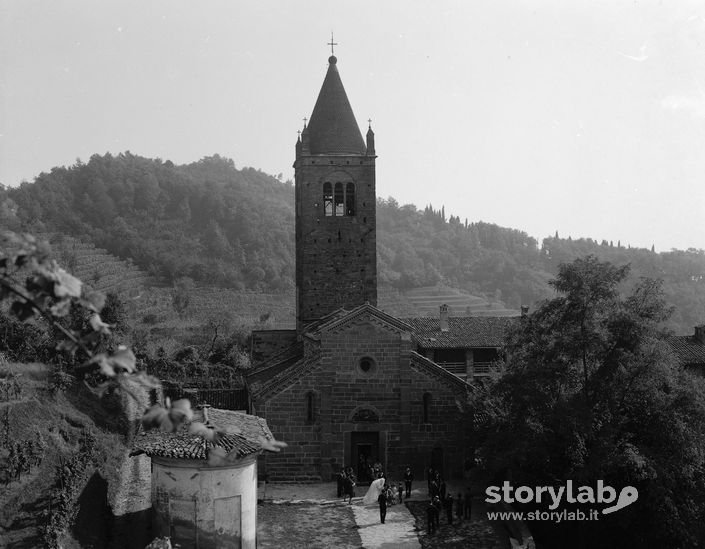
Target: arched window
<point x="426" y="407"/>
<point x="350" y="199"/>
<point x="327" y="199"/>
<point x="310" y="407"/>
<point x="339" y="204"/>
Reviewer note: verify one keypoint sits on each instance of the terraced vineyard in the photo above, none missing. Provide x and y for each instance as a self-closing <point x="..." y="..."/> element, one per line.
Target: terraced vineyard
<point x="208" y="302"/>
<point x="97" y="268"/>
<point x="151" y="305"/>
<point x="392" y="301"/>
<point x="427" y="301"/>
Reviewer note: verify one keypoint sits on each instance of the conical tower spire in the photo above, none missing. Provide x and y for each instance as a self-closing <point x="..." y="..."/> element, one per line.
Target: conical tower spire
<point x="333" y="128"/>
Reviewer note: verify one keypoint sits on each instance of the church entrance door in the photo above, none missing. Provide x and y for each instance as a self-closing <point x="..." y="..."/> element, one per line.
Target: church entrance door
<point x="364" y="449"/>
<point x="437" y="459"/>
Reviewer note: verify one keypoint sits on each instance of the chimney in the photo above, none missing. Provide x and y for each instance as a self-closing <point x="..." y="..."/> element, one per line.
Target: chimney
<point x="524" y="310"/>
<point x="700" y="334"/>
<point x="444" y="318"/>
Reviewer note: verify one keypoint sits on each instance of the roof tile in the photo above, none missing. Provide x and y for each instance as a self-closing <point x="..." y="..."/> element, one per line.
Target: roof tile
<point x="463" y="332"/>
<point x="243" y="434"/>
<point x="688" y="349"/>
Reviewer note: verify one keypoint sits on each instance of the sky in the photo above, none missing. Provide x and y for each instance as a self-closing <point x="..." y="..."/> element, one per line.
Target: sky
<point x="585" y="118"/>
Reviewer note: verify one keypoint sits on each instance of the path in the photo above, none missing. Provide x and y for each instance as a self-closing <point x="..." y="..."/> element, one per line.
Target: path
<point x="308" y="517"/>
<point x="397" y="532"/>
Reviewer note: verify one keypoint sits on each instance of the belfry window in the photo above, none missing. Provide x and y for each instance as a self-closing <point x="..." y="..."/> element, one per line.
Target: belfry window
<point x="350" y="199"/>
<point x="339" y="204"/>
<point x="339" y="198"/>
<point x="328" y="199"/>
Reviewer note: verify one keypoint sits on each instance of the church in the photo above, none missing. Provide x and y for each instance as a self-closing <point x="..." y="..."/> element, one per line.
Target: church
<point x="353" y="385"/>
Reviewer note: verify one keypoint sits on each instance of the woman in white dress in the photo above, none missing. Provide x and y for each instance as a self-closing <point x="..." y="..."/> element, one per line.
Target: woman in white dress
<point x="373" y="492"/>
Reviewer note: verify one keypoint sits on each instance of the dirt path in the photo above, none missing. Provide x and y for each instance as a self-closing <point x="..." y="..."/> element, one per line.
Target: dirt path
<point x="310" y="516"/>
<point x="397" y="532"/>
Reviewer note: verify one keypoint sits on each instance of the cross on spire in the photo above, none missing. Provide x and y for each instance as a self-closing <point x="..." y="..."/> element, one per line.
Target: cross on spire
<point x="369" y="122"/>
<point x="332" y="44"/>
<point x="305" y="120"/>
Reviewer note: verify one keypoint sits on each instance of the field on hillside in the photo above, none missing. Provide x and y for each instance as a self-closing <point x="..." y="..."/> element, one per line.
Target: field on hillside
<point x="209" y="312"/>
<point x="96" y="267"/>
<point x="59" y="421"/>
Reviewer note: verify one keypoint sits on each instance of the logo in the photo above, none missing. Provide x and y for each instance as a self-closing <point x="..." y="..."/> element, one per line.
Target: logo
<point x="554" y="496"/>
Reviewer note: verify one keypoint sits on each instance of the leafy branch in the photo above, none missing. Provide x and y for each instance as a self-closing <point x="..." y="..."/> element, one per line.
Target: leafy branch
<point x="49" y="292"/>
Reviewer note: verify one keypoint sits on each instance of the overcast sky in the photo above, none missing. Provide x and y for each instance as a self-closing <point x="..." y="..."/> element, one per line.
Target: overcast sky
<point x="586" y="118"/>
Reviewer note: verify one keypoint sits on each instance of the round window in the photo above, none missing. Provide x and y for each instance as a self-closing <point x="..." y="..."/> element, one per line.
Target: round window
<point x="366" y="364"/>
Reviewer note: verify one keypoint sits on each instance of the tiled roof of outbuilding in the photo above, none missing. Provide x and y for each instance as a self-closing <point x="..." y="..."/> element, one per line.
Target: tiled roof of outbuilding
<point x="243" y="432"/>
<point x="464" y="332"/>
<point x="688" y="349"/>
<point x="333" y="128"/>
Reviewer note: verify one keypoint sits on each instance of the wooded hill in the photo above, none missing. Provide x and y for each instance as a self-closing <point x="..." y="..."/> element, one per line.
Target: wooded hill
<point x="228" y="227"/>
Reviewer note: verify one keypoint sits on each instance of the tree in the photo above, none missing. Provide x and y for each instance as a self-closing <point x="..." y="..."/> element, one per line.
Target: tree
<point x="181" y="295"/>
<point x="114" y="313"/>
<point x="591" y="392"/>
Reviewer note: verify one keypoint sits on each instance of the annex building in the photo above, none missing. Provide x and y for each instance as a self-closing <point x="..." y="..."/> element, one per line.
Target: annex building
<point x="352" y="385"/>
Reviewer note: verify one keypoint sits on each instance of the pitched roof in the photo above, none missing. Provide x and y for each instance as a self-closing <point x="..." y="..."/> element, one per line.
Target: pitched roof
<point x="688" y="349"/>
<point x="277" y="363"/>
<point x="286" y="377"/>
<point x="341" y="317"/>
<point x="243" y="434"/>
<point x="333" y="128"/>
<point x="464" y="332"/>
<point x="440" y="373"/>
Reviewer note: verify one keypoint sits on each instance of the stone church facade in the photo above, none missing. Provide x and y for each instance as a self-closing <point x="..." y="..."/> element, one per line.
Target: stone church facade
<point x="352" y="384"/>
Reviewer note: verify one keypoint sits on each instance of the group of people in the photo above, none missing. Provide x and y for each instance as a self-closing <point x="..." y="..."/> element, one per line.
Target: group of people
<point x="436" y="484"/>
<point x="346" y="483"/>
<point x="385" y="493"/>
<point x="461" y="506"/>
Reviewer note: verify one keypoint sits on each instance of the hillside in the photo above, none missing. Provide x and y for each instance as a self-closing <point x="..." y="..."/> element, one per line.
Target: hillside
<point x="229" y="228"/>
<point x="63" y="422"/>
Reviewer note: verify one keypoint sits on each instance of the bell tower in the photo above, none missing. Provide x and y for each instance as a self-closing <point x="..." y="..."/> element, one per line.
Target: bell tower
<point x="336" y="254"/>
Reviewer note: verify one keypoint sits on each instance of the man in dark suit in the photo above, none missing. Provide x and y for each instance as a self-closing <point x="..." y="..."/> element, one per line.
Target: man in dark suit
<point x="382" y="500"/>
<point x="408" y="479"/>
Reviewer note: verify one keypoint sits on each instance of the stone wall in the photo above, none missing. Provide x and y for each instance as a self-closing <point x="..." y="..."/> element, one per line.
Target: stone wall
<point x="386" y="399"/>
<point x="336" y="256"/>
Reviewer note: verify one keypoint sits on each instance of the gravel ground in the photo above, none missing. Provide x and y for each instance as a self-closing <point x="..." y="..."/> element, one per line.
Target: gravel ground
<point x="306" y="526"/>
<point x="477" y="533"/>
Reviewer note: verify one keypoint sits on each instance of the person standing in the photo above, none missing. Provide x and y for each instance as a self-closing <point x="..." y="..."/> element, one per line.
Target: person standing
<point x="433" y="489"/>
<point x="431" y="516"/>
<point x="442" y="488"/>
<point x="408" y="479"/>
<point x="382" y="500"/>
<point x="468" y="503"/>
<point x="340" y="477"/>
<point x="459" y="506"/>
<point x="400" y="493"/>
<point x="350" y="484"/>
<point x="436" y="517"/>
<point x="448" y="503"/>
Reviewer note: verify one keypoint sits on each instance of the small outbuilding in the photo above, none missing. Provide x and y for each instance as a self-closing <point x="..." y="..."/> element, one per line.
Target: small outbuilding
<point x="201" y="505"/>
